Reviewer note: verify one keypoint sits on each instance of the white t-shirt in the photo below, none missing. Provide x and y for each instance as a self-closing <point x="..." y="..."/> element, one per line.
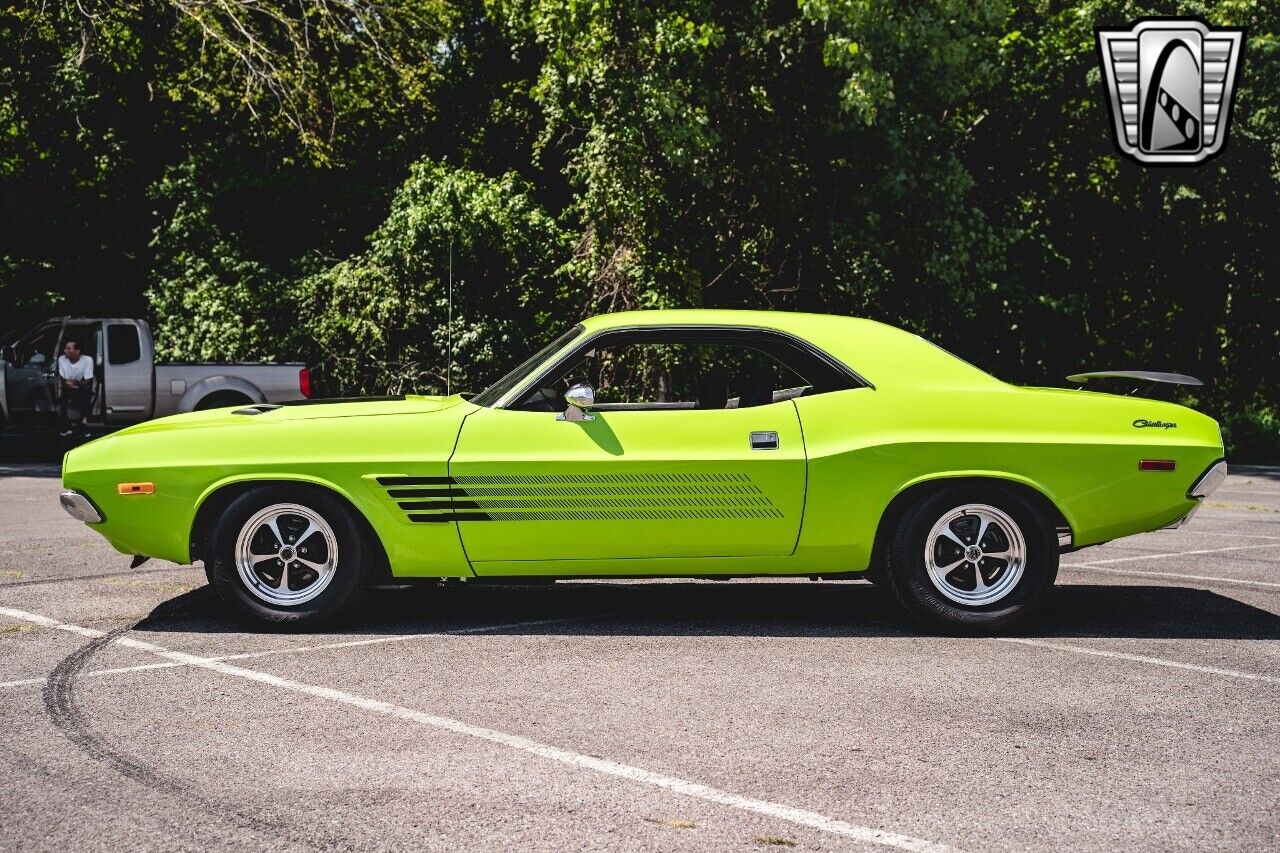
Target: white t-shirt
<point x="80" y="370"/>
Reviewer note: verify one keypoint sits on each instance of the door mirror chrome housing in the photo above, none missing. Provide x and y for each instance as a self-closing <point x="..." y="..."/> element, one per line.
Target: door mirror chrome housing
<point x="580" y="398"/>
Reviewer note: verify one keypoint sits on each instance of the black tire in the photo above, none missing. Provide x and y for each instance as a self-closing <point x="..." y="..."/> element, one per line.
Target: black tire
<point x="357" y="564"/>
<point x="905" y="573"/>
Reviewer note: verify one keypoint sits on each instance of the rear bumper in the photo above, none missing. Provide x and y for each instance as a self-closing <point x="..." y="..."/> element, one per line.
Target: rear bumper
<point x="1208" y="482"/>
<point x="1183" y="520"/>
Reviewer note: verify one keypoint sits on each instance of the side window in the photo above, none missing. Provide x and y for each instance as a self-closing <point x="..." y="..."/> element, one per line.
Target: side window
<point x="123" y="344"/>
<point x="684" y="369"/>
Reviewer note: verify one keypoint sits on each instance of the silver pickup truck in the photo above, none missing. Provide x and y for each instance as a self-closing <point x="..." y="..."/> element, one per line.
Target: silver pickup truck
<point x="130" y="385"/>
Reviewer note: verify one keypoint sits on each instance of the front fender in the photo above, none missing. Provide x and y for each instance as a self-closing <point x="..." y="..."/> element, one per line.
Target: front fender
<point x="197" y="524"/>
<point x="190" y="458"/>
<point x="412" y="550"/>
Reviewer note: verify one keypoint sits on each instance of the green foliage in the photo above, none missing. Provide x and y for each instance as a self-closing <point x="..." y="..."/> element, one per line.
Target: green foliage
<point x="1252" y="435"/>
<point x="215" y="303"/>
<point x="1110" y="263"/>
<point x="377" y="322"/>
<point x="98" y="100"/>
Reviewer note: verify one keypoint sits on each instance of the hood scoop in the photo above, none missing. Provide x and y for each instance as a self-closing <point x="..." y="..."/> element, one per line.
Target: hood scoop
<point x="257" y="409"/>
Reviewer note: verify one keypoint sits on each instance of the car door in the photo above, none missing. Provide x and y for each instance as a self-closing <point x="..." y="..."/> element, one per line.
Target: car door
<point x="30" y="381"/>
<point x="668" y="465"/>
<point x="128" y="373"/>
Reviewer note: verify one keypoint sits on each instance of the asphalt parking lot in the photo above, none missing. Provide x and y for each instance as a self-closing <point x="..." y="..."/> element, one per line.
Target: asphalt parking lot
<point x="1141" y="712"/>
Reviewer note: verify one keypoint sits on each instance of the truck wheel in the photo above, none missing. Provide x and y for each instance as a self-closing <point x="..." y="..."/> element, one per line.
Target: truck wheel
<point x="290" y="556"/>
<point x="971" y="559"/>
<point x="220" y="400"/>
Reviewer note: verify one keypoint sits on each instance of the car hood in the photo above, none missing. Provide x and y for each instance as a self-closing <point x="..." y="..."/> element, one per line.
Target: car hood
<point x="266" y="413"/>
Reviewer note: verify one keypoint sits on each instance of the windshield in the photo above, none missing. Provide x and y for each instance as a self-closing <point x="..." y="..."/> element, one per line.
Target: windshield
<point x="499" y="389"/>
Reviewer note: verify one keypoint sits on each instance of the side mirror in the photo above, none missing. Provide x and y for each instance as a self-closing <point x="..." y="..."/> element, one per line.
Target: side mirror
<point x="7" y="353"/>
<point x="580" y="398"/>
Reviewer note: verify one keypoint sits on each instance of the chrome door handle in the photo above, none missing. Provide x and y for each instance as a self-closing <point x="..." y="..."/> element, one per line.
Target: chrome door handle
<point x="764" y="441"/>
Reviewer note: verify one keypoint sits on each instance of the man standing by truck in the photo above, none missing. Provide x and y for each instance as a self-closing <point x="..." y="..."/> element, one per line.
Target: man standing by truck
<point x="75" y="374"/>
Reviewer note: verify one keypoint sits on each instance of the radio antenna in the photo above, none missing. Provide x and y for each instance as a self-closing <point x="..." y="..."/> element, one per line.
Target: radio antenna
<point x="448" y="370"/>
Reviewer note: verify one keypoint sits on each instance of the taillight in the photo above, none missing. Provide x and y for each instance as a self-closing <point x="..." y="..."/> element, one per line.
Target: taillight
<point x="304" y="382"/>
<point x="1156" y="465"/>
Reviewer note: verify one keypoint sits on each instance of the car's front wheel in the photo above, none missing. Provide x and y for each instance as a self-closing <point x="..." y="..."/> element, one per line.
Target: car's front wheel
<point x="289" y="556"/>
<point x="973" y="558"/>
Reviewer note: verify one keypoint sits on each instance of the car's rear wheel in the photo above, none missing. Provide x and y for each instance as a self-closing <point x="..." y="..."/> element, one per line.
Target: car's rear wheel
<point x="290" y="556"/>
<point x="971" y="558"/>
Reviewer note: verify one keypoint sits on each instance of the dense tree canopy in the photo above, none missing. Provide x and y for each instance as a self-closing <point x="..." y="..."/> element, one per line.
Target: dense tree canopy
<point x="269" y="179"/>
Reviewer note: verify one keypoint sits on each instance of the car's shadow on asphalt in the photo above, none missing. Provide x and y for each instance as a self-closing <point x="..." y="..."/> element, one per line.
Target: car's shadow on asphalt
<point x="758" y="609"/>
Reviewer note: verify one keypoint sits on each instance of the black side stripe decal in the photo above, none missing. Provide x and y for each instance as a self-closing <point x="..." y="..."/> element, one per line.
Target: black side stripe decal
<point x="450" y="516"/>
<point x="579" y="497"/>
<point x="439" y="505"/>
<point x="415" y="481"/>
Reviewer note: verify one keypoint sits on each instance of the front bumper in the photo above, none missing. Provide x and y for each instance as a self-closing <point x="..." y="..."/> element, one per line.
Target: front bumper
<point x="79" y="507"/>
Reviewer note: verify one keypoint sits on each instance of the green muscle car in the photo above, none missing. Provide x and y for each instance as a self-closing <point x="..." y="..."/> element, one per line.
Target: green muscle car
<point x="661" y="444"/>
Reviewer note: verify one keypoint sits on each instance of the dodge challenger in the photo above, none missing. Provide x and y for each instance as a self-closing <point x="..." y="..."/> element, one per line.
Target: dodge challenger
<point x="698" y="443"/>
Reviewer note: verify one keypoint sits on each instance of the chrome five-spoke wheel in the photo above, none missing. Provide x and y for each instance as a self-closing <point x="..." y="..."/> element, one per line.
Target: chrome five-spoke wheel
<point x="975" y="554"/>
<point x="286" y="554"/>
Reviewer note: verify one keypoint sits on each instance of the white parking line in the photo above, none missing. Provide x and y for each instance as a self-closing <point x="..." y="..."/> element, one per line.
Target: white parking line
<point x="778" y="811"/>
<point x="1172" y="555"/>
<point x="394" y="638"/>
<point x="1090" y="567"/>
<point x="1172" y="664"/>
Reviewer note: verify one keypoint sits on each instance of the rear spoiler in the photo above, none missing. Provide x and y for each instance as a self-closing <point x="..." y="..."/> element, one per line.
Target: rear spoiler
<point x="1145" y="380"/>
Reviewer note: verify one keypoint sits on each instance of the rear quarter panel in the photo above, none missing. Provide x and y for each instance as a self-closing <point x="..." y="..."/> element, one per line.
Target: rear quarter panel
<point x="1079" y="449"/>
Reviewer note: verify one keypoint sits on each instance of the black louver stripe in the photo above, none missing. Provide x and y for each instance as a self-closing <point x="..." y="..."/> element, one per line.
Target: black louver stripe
<point x="579" y="497"/>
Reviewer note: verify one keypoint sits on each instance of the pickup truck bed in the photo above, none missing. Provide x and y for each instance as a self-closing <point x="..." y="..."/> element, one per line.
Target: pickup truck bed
<point x="183" y="386"/>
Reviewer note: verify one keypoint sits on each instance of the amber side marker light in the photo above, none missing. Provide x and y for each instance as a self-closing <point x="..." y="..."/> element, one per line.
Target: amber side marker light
<point x="1156" y="465"/>
<point x="136" y="488"/>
